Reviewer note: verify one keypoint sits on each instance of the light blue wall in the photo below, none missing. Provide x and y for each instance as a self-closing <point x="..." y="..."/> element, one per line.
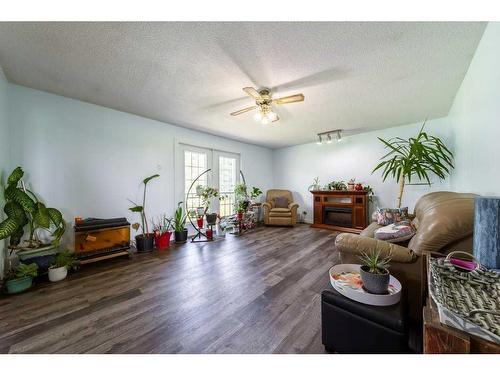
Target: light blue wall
<point x="4" y="153"/>
<point x="475" y="119"/>
<point x="87" y="160"/>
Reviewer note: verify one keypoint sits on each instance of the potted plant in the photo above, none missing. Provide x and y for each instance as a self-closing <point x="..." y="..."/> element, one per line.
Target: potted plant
<point x="59" y="269"/>
<point x="23" y="208"/>
<point x="418" y="156"/>
<point x="351" y="184"/>
<point x="162" y="232"/>
<point x="374" y="272"/>
<point x="241" y="207"/>
<point x="315" y="186"/>
<point x="144" y="241"/>
<point x="21" y="278"/>
<point x="180" y="232"/>
<point x="254" y="194"/>
<point x="207" y="193"/>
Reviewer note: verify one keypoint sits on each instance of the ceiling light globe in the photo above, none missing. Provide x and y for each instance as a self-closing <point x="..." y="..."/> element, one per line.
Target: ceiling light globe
<point x="271" y="116"/>
<point x="258" y="116"/>
<point x="264" y="120"/>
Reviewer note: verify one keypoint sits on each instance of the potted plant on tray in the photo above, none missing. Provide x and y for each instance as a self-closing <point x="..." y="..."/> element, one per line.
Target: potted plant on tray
<point x="21" y="278"/>
<point x="59" y="269"/>
<point x="207" y="193"/>
<point x="23" y="208"/>
<point x="374" y="272"/>
<point x="162" y="232"/>
<point x="180" y="231"/>
<point x="144" y="241"/>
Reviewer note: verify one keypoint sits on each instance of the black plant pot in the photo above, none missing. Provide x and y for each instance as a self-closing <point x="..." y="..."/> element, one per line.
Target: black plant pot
<point x="145" y="243"/>
<point x="181" y="237"/>
<point x="375" y="283"/>
<point x="211" y="218"/>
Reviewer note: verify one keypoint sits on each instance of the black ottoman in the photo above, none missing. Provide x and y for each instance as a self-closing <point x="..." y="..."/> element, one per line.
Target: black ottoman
<point x="352" y="327"/>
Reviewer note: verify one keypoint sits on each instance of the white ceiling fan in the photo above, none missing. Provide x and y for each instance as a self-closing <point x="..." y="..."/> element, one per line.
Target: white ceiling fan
<point x="264" y="101"/>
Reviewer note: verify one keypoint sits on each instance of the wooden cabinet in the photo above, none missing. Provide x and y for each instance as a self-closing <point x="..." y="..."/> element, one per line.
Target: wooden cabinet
<point x="345" y="211"/>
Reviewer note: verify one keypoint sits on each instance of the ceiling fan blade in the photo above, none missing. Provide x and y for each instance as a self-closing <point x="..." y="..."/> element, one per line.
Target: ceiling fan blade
<point x="236" y="113"/>
<point x="289" y="99"/>
<point x="252" y="92"/>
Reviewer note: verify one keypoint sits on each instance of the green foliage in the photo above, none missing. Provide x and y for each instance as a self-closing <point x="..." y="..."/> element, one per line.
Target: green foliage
<point x="22" y="207"/>
<point x="315" y="185"/>
<point x="369" y="190"/>
<point x="179" y="218"/>
<point x="337" y="185"/>
<point x="375" y="263"/>
<point x="64" y="259"/>
<point x="164" y="224"/>
<point x="418" y="156"/>
<point x="255" y="193"/>
<point x="207" y="193"/>
<point x="142" y="209"/>
<point x="23" y="270"/>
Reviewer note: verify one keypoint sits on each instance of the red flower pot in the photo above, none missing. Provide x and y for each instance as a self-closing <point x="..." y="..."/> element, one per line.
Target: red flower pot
<point x="240" y="215"/>
<point x="162" y="241"/>
<point x="199" y="221"/>
<point x="210" y="234"/>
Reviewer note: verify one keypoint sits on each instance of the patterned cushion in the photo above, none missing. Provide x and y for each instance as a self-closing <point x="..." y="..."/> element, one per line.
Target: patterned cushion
<point x="399" y="232"/>
<point x="281" y="202"/>
<point x="386" y="216"/>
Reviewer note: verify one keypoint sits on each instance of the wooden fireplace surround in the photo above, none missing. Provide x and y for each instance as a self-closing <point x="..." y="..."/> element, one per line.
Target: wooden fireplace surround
<point x="356" y="200"/>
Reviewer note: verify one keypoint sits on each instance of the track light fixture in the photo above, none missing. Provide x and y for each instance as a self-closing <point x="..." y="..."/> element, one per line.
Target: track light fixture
<point x="337" y="133"/>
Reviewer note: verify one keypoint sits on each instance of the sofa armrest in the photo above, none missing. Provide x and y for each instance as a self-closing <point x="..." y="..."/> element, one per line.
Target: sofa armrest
<point x="355" y="245"/>
<point x="293" y="206"/>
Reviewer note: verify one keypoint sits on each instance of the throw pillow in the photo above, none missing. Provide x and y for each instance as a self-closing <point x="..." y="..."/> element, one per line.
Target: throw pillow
<point x="386" y="216"/>
<point x="281" y="202"/>
<point x="398" y="232"/>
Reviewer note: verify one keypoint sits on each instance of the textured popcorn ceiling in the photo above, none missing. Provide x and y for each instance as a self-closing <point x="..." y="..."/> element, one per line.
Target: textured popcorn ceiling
<point x="355" y="76"/>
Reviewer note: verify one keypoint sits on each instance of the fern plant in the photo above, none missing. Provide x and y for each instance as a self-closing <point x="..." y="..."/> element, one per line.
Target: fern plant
<point x="420" y="156"/>
<point x="22" y="208"/>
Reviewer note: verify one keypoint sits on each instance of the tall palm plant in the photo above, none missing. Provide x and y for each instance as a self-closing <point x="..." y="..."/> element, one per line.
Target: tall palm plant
<point x="419" y="156"/>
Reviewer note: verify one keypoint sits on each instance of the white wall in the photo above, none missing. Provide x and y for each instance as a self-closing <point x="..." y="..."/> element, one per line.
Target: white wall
<point x="354" y="157"/>
<point x="475" y="117"/>
<point x="87" y="160"/>
<point x="4" y="154"/>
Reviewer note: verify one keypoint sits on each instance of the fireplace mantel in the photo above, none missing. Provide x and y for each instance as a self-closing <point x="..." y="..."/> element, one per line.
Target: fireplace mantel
<point x="342" y="210"/>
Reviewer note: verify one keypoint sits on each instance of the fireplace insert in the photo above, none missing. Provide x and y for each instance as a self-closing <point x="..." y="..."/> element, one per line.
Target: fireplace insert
<point x="338" y="216"/>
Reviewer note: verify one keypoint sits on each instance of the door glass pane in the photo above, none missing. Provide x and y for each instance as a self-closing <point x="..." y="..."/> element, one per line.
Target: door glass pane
<point x="227" y="181"/>
<point x="194" y="164"/>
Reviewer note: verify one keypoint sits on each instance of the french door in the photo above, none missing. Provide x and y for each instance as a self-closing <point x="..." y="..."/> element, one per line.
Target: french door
<point x="224" y="175"/>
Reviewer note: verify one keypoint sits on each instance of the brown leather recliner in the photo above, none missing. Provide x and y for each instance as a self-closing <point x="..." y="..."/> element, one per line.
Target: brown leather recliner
<point x="444" y="223"/>
<point x="283" y="216"/>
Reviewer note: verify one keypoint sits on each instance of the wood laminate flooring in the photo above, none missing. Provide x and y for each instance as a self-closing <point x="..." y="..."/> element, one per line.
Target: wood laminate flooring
<point x="258" y="293"/>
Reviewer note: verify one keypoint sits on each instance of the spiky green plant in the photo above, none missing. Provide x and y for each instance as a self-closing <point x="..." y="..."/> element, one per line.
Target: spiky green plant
<point x="420" y="156"/>
<point x="141" y="210"/>
<point x="64" y="258"/>
<point x="22" y="208"/>
<point x="179" y="218"/>
<point x="375" y="263"/>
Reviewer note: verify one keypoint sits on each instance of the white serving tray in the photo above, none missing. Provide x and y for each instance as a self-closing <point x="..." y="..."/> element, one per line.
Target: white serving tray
<point x="346" y="280"/>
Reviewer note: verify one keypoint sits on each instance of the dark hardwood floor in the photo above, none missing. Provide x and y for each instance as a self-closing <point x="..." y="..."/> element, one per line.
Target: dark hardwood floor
<point x="258" y="293"/>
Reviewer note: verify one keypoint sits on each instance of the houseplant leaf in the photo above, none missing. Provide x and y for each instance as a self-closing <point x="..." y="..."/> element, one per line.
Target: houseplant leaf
<point x="147" y="179"/>
<point x="15" y="176"/>
<point x="8" y="227"/>
<point x="41" y="216"/>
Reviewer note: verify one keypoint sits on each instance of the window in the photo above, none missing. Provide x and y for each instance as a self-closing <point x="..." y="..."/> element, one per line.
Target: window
<point x="194" y="164"/>
<point x="227" y="181"/>
<point x="224" y="175"/>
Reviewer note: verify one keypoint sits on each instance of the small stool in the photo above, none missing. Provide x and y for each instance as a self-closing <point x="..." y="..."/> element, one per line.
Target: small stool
<point x="352" y="327"/>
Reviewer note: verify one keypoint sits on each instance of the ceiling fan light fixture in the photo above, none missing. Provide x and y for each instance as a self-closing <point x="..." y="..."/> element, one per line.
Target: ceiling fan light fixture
<point x="320" y="141"/>
<point x="258" y="116"/>
<point x="329" y="138"/>
<point x="339" y="136"/>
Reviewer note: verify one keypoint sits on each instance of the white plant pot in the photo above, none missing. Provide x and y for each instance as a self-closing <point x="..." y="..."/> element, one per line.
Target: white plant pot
<point x="57" y="274"/>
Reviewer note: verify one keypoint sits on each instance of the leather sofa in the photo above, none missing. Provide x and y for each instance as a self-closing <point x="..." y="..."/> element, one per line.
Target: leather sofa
<point x="281" y="216"/>
<point x="444" y="223"/>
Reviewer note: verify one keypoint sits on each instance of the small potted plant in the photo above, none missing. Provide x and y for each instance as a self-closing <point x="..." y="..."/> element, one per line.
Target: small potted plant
<point x="144" y="241"/>
<point x="20" y="278"/>
<point x="240" y="209"/>
<point x="162" y="232"/>
<point x="59" y="269"/>
<point x="207" y="193"/>
<point x="315" y="186"/>
<point x="254" y="194"/>
<point x="351" y="184"/>
<point x="180" y="232"/>
<point x="374" y="272"/>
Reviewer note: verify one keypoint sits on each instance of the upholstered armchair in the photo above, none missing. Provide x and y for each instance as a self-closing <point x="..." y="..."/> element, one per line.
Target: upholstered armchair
<point x="279" y="208"/>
